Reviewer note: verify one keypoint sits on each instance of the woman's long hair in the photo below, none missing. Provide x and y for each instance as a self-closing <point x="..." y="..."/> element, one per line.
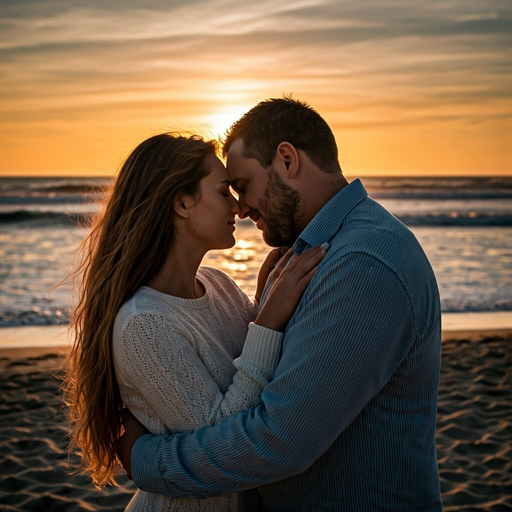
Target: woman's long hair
<point x="127" y="246"/>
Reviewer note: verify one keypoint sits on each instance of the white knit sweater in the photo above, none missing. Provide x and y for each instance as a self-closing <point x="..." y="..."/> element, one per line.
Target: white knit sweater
<point x="182" y="364"/>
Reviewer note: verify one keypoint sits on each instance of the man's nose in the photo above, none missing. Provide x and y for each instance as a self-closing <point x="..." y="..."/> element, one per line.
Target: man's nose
<point x="244" y="210"/>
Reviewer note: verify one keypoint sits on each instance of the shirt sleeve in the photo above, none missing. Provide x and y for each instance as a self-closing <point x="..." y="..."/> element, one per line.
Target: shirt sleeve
<point x="162" y="364"/>
<point x="351" y="330"/>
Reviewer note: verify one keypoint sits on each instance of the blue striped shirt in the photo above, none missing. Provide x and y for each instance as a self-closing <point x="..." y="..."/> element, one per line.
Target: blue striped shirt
<point x="348" y="423"/>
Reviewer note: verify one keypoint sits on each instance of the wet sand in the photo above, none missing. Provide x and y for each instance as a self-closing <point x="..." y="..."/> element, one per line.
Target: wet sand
<point x="474" y="431"/>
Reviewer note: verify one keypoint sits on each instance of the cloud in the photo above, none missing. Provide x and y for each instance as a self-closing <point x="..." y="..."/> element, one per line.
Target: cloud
<point x="478" y="16"/>
<point x="368" y="64"/>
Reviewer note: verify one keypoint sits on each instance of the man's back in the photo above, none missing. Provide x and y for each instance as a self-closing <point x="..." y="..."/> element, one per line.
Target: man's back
<point x="385" y="459"/>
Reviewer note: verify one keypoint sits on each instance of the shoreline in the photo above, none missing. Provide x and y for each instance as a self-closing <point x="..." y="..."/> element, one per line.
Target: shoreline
<point x="29" y="341"/>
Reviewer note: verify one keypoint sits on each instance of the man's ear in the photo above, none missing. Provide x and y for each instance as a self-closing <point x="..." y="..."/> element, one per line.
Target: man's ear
<point x="182" y="204"/>
<point x="287" y="159"/>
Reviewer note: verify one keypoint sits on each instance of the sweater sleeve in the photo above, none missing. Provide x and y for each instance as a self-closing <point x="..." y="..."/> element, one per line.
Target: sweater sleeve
<point x="163" y="365"/>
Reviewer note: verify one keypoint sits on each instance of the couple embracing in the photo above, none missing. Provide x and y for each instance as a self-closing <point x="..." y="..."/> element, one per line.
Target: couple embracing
<point x="319" y="395"/>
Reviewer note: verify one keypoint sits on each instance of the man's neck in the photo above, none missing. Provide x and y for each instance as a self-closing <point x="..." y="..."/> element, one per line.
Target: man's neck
<point x="320" y="196"/>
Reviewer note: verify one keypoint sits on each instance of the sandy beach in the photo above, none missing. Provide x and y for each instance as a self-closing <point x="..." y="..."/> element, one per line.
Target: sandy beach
<point x="474" y="430"/>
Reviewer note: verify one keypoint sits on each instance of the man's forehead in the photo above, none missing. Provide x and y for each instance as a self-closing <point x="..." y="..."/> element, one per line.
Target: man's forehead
<point x="236" y="163"/>
<point x="241" y="167"/>
<point x="236" y="148"/>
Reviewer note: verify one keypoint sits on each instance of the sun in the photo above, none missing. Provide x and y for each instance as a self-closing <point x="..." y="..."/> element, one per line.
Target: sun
<point x="220" y="120"/>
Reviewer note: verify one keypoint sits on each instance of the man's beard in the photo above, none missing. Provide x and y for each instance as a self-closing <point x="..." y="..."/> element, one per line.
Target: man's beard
<point x="281" y="205"/>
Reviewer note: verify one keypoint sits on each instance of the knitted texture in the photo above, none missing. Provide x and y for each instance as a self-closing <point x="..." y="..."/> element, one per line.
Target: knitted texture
<point x="174" y="363"/>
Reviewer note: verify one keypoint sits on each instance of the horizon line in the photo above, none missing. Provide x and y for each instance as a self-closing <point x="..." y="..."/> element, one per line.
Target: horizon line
<point x="506" y="174"/>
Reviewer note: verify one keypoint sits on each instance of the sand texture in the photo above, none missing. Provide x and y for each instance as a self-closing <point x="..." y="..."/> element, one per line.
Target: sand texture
<point x="474" y="434"/>
<point x="34" y="465"/>
<point x="474" y="425"/>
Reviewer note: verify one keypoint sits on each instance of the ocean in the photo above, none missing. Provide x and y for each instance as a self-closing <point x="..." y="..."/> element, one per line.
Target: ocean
<point x="463" y="224"/>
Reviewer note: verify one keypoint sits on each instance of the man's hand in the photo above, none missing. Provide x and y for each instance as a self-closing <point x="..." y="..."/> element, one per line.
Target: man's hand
<point x="133" y="429"/>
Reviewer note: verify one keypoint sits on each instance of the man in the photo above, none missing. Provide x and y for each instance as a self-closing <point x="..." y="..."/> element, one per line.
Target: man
<point x="348" y="423"/>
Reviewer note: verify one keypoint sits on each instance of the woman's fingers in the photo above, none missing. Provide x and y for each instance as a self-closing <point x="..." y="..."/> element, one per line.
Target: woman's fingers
<point x="282" y="263"/>
<point x="306" y="279"/>
<point x="307" y="260"/>
<point x="266" y="268"/>
<point x="298" y="274"/>
<point x="272" y="258"/>
<point x="288" y="287"/>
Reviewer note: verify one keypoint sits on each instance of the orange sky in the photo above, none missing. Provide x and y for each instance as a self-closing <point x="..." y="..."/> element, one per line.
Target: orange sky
<point x="409" y="87"/>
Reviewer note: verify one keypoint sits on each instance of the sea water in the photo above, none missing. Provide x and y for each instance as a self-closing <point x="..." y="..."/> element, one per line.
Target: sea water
<point x="463" y="224"/>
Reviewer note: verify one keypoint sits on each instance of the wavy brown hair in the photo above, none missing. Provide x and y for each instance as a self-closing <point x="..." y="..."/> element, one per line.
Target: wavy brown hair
<point x="127" y="246"/>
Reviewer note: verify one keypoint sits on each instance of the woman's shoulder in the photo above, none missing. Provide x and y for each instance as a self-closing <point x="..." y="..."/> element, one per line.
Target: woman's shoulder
<point x="142" y="306"/>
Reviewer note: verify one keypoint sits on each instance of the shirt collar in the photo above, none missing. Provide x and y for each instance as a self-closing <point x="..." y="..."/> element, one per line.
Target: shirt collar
<point x="328" y="220"/>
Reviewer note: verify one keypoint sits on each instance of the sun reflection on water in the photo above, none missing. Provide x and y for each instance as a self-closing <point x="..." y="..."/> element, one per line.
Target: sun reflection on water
<point x="472" y="265"/>
<point x="242" y="262"/>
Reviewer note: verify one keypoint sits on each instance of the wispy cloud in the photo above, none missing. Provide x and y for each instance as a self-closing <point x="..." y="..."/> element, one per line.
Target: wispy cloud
<point x="365" y="65"/>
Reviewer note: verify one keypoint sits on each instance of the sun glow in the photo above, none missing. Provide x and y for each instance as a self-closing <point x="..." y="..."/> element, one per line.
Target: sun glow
<point x="221" y="120"/>
<point x="88" y="84"/>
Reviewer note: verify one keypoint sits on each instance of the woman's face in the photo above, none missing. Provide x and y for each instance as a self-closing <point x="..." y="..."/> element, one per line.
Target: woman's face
<point x="212" y="218"/>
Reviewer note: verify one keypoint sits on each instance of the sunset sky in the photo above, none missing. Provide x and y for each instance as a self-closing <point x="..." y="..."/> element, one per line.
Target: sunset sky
<point x="409" y="87"/>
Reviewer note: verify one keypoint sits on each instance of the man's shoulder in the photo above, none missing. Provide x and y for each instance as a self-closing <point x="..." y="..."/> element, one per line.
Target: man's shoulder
<point x="372" y="230"/>
<point x="371" y="233"/>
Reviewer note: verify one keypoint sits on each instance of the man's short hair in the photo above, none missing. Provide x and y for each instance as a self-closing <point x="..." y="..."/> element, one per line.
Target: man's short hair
<point x="285" y="119"/>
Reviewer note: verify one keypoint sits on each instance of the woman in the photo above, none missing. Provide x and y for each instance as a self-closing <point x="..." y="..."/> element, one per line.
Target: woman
<point x="157" y="332"/>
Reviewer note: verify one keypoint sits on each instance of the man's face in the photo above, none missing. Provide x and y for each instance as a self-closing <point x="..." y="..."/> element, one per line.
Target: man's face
<point x="272" y="204"/>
